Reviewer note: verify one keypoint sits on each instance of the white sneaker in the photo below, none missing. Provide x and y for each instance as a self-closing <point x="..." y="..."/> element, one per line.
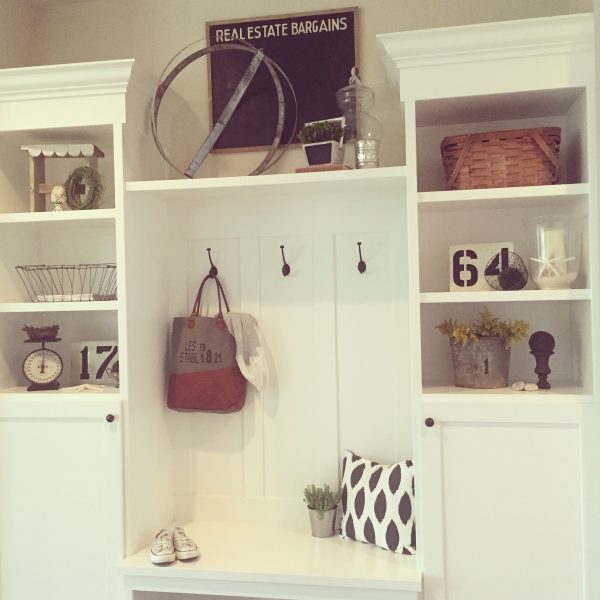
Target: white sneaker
<point x="162" y="550"/>
<point x="184" y="547"/>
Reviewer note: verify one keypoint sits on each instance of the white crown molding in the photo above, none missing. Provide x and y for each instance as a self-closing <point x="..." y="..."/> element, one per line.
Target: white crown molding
<point x="64" y="81"/>
<point x="488" y="41"/>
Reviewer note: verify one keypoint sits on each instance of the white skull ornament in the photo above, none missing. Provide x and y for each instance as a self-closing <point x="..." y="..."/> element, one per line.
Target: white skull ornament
<point x="58" y="197"/>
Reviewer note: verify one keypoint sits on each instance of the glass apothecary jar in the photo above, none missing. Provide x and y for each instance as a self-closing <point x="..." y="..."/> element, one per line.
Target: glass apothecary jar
<point x="360" y="127"/>
<point x="554" y="250"/>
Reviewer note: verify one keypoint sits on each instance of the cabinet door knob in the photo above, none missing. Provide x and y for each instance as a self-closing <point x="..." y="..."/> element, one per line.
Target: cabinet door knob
<point x="110" y="418"/>
<point x="429" y="422"/>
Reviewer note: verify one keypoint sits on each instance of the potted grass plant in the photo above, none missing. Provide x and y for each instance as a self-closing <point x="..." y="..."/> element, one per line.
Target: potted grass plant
<point x="322" y="506"/>
<point x="323" y="142"/>
<point x="481" y="349"/>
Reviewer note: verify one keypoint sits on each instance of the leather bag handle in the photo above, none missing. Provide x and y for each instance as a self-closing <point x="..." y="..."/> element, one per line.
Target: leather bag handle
<point x="220" y="296"/>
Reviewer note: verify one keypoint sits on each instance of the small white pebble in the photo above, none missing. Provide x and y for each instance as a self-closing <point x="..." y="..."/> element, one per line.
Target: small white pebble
<point x="531" y="387"/>
<point x="518" y="386"/>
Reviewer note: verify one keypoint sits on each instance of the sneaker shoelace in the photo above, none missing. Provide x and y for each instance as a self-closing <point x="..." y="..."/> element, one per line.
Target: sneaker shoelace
<point x="182" y="539"/>
<point x="164" y="540"/>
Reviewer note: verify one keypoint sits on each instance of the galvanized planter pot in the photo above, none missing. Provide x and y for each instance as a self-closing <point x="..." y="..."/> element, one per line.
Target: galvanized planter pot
<point x="482" y="364"/>
<point x="322" y="527"/>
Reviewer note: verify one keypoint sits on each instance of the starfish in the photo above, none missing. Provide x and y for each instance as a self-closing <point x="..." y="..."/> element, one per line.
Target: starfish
<point x="546" y="264"/>
<point x="84" y="387"/>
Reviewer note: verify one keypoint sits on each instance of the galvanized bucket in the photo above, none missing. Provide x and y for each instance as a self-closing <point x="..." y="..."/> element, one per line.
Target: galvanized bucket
<point x="322" y="527"/>
<point x="482" y="364"/>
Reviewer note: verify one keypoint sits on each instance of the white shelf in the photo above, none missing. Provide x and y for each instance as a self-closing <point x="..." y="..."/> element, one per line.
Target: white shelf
<point x="282" y="185"/>
<point x="505" y="198"/>
<point x="44" y="307"/>
<point x="496" y="107"/>
<point x="17" y="402"/>
<point x="267" y="205"/>
<point x="261" y="560"/>
<point x="505" y="296"/>
<point x="80" y="217"/>
<point x="559" y="393"/>
<point x="20" y="392"/>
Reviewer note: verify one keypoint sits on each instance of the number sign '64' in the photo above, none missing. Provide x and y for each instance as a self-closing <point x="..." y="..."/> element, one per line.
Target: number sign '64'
<point x="92" y="362"/>
<point x="470" y="263"/>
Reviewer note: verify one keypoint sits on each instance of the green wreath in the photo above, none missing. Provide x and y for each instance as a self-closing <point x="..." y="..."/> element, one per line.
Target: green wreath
<point x="93" y="186"/>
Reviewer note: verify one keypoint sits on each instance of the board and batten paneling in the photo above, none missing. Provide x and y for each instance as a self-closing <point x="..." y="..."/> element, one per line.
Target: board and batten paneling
<point x="372" y="348"/>
<point x="210" y="446"/>
<point x="299" y="405"/>
<point x="336" y="380"/>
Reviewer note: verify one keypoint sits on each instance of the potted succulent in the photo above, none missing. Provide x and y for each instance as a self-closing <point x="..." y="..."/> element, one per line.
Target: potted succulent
<point x="323" y="141"/>
<point x="322" y="505"/>
<point x="481" y="349"/>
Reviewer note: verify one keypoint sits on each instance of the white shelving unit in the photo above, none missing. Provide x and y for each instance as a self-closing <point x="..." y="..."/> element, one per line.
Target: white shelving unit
<point x="356" y="362"/>
<point x="483" y="452"/>
<point x="319" y="322"/>
<point x="61" y="451"/>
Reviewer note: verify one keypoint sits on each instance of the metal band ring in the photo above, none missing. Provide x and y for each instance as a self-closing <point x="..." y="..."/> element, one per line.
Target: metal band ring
<point x="273" y="68"/>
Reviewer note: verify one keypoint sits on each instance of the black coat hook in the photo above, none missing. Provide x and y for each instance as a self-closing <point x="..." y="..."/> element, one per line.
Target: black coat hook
<point x="213" y="272"/>
<point x="286" y="268"/>
<point x="362" y="265"/>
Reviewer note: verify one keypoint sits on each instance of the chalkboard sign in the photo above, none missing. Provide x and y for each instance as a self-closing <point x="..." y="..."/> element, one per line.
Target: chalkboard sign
<point x="315" y="50"/>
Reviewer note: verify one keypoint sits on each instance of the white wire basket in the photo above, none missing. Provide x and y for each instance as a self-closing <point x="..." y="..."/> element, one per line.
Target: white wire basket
<point x="69" y="283"/>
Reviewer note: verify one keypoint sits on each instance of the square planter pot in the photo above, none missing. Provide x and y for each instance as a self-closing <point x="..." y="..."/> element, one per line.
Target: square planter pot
<point x="324" y="153"/>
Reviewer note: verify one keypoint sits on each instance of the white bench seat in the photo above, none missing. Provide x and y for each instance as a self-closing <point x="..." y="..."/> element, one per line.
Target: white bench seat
<point x="263" y="561"/>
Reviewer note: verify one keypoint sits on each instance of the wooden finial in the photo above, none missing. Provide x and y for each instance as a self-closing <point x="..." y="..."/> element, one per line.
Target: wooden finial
<point x="541" y="344"/>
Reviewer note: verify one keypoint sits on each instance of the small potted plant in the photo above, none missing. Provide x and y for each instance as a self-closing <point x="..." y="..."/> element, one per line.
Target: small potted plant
<point x="322" y="505"/>
<point x="481" y="349"/>
<point x="323" y="142"/>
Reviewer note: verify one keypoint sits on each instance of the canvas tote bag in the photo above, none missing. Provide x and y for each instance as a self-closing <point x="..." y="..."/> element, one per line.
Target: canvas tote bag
<point x="203" y="372"/>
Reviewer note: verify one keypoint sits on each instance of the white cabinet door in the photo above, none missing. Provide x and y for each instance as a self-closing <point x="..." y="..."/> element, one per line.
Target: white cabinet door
<point x="502" y="511"/>
<point x="60" y="507"/>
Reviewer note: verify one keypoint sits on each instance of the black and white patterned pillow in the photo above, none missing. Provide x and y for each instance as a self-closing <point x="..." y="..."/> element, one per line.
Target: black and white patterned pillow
<point x="377" y="503"/>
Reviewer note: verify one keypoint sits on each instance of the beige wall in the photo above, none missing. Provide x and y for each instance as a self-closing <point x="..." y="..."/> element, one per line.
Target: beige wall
<point x="15" y="40"/>
<point x="152" y="31"/>
<point x="597" y="29"/>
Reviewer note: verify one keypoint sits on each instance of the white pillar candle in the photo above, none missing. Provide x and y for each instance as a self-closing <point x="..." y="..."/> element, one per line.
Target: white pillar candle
<point x="553" y="251"/>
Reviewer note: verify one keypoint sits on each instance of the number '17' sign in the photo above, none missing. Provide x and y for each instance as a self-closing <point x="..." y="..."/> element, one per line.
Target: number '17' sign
<point x="469" y="264"/>
<point x="92" y="362"/>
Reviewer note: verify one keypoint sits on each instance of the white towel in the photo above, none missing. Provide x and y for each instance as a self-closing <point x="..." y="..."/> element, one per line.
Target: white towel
<point x="250" y="348"/>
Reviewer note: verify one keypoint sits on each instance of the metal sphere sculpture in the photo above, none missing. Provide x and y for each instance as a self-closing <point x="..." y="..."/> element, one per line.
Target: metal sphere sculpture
<point x="258" y="58"/>
<point x="512" y="276"/>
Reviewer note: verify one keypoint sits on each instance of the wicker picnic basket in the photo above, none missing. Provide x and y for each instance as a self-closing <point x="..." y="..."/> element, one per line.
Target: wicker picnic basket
<point x="502" y="158"/>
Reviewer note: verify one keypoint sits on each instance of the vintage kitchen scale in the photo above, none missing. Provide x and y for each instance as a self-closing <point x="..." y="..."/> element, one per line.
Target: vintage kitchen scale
<point x="42" y="367"/>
